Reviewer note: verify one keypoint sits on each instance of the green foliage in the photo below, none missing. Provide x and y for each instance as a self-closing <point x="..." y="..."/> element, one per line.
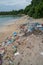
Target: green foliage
<point x="12" y="12"/>
<point x="35" y="2"/>
<point x="31" y="11"/>
<point x="36" y="9"/>
<point x="9" y="13"/>
<point x="27" y="9"/>
<point x="21" y="11"/>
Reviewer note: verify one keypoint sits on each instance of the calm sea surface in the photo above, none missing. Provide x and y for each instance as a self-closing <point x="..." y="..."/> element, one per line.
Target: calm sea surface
<point x="8" y="19"/>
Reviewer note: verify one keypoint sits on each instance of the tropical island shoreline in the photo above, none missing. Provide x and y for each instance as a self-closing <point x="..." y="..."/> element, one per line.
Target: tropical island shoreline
<point x="21" y="40"/>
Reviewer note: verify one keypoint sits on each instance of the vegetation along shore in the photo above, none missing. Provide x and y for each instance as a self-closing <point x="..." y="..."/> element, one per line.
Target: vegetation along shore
<point x="35" y="10"/>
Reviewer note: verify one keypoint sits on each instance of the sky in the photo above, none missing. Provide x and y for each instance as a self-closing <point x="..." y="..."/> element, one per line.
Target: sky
<point x="7" y="5"/>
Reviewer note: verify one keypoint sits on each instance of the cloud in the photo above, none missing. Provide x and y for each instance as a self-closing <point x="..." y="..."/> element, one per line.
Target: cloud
<point x="13" y="4"/>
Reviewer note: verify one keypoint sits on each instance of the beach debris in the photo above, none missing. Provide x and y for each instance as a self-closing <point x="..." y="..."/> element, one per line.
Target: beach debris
<point x="0" y="59"/>
<point x="39" y="26"/>
<point x="11" y="62"/>
<point x="17" y="53"/>
<point x="22" y="26"/>
<point x="2" y="51"/>
<point x="41" y="29"/>
<point x="3" y="43"/>
<point x="31" y="29"/>
<point x="42" y="24"/>
<point x="15" y="33"/>
<point x="25" y="28"/>
<point x="36" y="24"/>
<point x="8" y="40"/>
<point x="20" y="34"/>
<point x="9" y="43"/>
<point x="0" y="44"/>
<point x="15" y="49"/>
<point x="41" y="53"/>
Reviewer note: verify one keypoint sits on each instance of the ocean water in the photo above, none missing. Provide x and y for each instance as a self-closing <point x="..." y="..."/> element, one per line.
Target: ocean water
<point x="8" y="19"/>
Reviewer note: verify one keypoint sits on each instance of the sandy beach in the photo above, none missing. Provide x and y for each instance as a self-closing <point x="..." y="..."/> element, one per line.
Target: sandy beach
<point x="30" y="47"/>
<point x="9" y="29"/>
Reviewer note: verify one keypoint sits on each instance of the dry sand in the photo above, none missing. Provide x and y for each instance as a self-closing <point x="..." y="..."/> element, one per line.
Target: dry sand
<point x="30" y="47"/>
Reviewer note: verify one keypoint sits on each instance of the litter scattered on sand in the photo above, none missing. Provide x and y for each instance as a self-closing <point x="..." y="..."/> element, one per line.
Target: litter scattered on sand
<point x="41" y="53"/>
<point x="18" y="42"/>
<point x="17" y="53"/>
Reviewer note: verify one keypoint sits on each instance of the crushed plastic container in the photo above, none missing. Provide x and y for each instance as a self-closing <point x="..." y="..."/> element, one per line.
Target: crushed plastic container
<point x="17" y="53"/>
<point x="35" y="24"/>
<point x="42" y="24"/>
<point x="15" y="33"/>
<point x="30" y="29"/>
<point x="3" y="43"/>
<point x="11" y="62"/>
<point x="39" y="26"/>
<point x="41" y="53"/>
<point x="15" y="49"/>
<point x="41" y="29"/>
<point x="9" y="42"/>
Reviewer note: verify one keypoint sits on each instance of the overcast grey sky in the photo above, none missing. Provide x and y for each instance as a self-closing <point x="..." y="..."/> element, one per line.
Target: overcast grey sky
<point x="13" y="4"/>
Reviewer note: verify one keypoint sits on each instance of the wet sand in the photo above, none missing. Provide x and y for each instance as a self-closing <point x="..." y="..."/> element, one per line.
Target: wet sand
<point x="9" y="29"/>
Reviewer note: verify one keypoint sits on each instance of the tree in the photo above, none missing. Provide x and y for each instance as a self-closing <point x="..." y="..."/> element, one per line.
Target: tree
<point x="35" y="9"/>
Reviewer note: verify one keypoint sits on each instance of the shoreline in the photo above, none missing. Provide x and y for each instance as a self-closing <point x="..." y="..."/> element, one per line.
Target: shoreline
<point x="9" y="26"/>
<point x="12" y="23"/>
<point x="9" y="29"/>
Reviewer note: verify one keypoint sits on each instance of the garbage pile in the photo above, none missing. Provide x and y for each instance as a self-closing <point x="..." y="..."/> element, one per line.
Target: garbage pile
<point x="24" y="29"/>
<point x="9" y="40"/>
<point x="30" y="28"/>
<point x="7" y="48"/>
